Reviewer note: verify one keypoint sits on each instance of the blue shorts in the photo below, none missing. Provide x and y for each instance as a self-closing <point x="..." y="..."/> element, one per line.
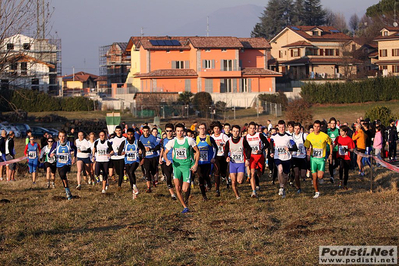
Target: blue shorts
<point x="33" y="165"/>
<point x="236" y="168"/>
<point x="84" y="160"/>
<point x="286" y="165"/>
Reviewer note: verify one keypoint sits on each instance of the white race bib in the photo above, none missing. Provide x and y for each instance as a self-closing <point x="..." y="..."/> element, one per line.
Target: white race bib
<point x="63" y="158"/>
<point x="237" y="157"/>
<point x="181" y="153"/>
<point x="131" y="156"/>
<point x="343" y="150"/>
<point x="32" y="155"/>
<point x="203" y="156"/>
<point x="317" y="153"/>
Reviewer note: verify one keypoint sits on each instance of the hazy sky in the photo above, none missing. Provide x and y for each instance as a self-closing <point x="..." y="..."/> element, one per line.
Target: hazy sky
<point x="85" y="25"/>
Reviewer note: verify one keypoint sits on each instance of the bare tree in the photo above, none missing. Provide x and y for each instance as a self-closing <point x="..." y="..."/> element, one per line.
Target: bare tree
<point x="354" y="23"/>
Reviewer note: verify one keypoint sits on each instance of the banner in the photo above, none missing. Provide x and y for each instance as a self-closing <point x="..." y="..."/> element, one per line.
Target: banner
<point x="381" y="162"/>
<point x="113" y="120"/>
<point x="13" y="161"/>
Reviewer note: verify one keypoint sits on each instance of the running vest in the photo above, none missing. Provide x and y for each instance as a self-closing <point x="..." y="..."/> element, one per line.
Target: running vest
<point x="63" y="153"/>
<point x="299" y="141"/>
<point x="182" y="154"/>
<point x="333" y="134"/>
<point x="82" y="145"/>
<point x="255" y="142"/>
<point x="116" y="143"/>
<point x="32" y="151"/>
<point x="280" y="142"/>
<point x="220" y="141"/>
<point x="236" y="150"/>
<point x="131" y="152"/>
<point x="206" y="149"/>
<point x="150" y="142"/>
<point x="46" y="153"/>
<point x="101" y="154"/>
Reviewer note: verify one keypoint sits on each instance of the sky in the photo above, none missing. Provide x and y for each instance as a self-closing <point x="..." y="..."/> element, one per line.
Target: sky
<point x="85" y="25"/>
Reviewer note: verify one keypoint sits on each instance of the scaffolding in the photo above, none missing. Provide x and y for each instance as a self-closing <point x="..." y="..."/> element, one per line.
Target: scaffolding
<point x="114" y="63"/>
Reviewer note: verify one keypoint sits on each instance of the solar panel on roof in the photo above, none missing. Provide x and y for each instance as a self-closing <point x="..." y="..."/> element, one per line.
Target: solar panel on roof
<point x="154" y="42"/>
<point x="335" y="31"/>
<point x="161" y="42"/>
<point x="168" y="42"/>
<point x="175" y="43"/>
<point x="294" y="28"/>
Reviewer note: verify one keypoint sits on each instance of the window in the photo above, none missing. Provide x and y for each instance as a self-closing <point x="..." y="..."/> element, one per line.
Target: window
<point x="24" y="68"/>
<point x="385" y="33"/>
<point x="177" y="64"/>
<point x="209" y="85"/>
<point x="226" y="85"/>
<point x="383" y="53"/>
<point x="226" y="65"/>
<point x="244" y="85"/>
<point x="207" y="50"/>
<point x="321" y="52"/>
<point x="329" y="52"/>
<point x="295" y="52"/>
<point x="311" y="51"/>
<point x="13" y="66"/>
<point x="353" y="47"/>
<point x="26" y="46"/>
<point x="10" y="46"/>
<point x="280" y="54"/>
<point x="337" y="52"/>
<point x="395" y="52"/>
<point x="395" y="69"/>
<point x="207" y="64"/>
<point x="223" y="50"/>
<point x="35" y="84"/>
<point x="315" y="33"/>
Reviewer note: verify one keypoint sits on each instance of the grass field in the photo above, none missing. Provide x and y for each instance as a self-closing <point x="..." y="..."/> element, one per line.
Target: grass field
<point x="40" y="227"/>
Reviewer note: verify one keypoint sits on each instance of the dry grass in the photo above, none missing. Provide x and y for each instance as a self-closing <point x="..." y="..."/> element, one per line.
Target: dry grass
<point x="39" y="226"/>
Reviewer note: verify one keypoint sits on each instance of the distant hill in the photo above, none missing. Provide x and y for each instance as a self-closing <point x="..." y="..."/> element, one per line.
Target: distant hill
<point x="233" y="21"/>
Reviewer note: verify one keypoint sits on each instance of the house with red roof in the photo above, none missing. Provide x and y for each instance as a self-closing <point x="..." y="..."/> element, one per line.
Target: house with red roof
<point x="218" y="65"/>
<point x="302" y="52"/>
<point x="80" y="81"/>
<point x="388" y="51"/>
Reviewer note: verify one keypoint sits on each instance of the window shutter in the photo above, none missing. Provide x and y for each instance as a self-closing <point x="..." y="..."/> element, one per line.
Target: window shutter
<point x="213" y="63"/>
<point x="292" y="53"/>
<point x="249" y="85"/>
<point x="203" y="64"/>
<point x="240" y="86"/>
<point x="337" y="52"/>
<point x="187" y="84"/>
<point x="321" y="52"/>
<point x="221" y="64"/>
<point x="187" y="64"/>
<point x="234" y="85"/>
<point x="222" y="86"/>
<point x="299" y="52"/>
<point x="173" y="64"/>
<point x="235" y="65"/>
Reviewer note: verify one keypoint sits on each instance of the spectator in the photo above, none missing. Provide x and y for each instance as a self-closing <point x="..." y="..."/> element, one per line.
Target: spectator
<point x="3" y="138"/>
<point x="391" y="136"/>
<point x="10" y="155"/>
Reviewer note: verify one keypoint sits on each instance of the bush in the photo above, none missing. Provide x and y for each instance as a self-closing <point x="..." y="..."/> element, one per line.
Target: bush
<point x="202" y="101"/>
<point x="371" y="90"/>
<point x="279" y="97"/>
<point x="33" y="101"/>
<point x="298" y="110"/>
<point x="381" y="113"/>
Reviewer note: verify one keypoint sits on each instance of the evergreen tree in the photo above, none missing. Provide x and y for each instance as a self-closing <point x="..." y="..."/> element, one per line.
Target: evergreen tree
<point x="314" y="13"/>
<point x="275" y="17"/>
<point x="298" y="13"/>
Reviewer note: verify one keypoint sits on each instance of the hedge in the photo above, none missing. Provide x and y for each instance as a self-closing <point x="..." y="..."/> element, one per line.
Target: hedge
<point x="33" y="101"/>
<point x="370" y="90"/>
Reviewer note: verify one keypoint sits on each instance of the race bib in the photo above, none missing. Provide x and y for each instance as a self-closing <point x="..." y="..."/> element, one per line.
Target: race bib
<point x="102" y="152"/>
<point x="50" y="159"/>
<point x="181" y="153"/>
<point x="237" y="157"/>
<point x="132" y="156"/>
<point x="343" y="150"/>
<point x="301" y="150"/>
<point x="255" y="149"/>
<point x="63" y="158"/>
<point x="203" y="156"/>
<point x="32" y="155"/>
<point x="317" y="153"/>
<point x="220" y="149"/>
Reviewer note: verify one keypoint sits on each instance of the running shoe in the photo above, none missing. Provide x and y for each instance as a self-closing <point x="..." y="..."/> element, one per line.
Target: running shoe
<point x="148" y="190"/>
<point x="125" y="178"/>
<point x="332" y="180"/>
<point x="283" y="196"/>
<point x="134" y="196"/>
<point x="135" y="190"/>
<point x="257" y="188"/>
<point x="321" y="181"/>
<point x="316" y="195"/>
<point x="280" y="191"/>
<point x="69" y="196"/>
<point x="103" y="191"/>
<point x="204" y="198"/>
<point x="154" y="183"/>
<point x="206" y="188"/>
<point x="185" y="210"/>
<point x="52" y="184"/>
<point x="34" y="183"/>
<point x="362" y="173"/>
<point x="78" y="187"/>
<point x="89" y="181"/>
<point x="238" y="197"/>
<point x="254" y="195"/>
<point x="291" y="183"/>
<point x="340" y="184"/>
<point x="173" y="197"/>
<point x="48" y="185"/>
<point x="299" y="191"/>
<point x="106" y="186"/>
<point x="1" y="179"/>
<point x="162" y="178"/>
<point x="217" y="193"/>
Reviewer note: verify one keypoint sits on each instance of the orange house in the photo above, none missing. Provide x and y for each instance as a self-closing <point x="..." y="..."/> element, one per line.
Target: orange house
<point x="195" y="64"/>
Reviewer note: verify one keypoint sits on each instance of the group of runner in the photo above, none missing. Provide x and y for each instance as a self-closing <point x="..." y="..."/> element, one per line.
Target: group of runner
<point x="228" y="153"/>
